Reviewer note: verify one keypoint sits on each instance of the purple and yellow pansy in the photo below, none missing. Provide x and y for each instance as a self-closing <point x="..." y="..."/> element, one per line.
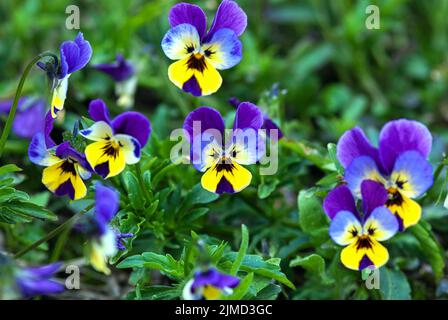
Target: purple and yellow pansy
<point x="400" y="164"/>
<point x="117" y="142"/>
<point x="199" y="53"/>
<point x="222" y="162"/>
<point x="209" y="285"/>
<point x="361" y="234"/>
<point x="66" y="168"/>
<point x="74" y="55"/>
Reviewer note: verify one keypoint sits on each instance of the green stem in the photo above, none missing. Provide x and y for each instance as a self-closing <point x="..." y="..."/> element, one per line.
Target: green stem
<point x="145" y="190"/>
<point x="54" y="232"/>
<point x="162" y="173"/>
<point x="12" y="111"/>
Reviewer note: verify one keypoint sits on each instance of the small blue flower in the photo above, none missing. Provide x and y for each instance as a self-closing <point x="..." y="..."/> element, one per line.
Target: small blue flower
<point x="209" y="285"/>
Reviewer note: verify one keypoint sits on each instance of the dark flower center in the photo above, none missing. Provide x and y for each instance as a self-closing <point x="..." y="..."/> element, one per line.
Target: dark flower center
<point x="197" y="62"/>
<point x="225" y="164"/>
<point x="364" y="242"/>
<point x="394" y="197"/>
<point x="111" y="149"/>
<point x="68" y="166"/>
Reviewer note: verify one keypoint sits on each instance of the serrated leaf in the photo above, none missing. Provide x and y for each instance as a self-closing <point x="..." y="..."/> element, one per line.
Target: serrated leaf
<point x="256" y="264"/>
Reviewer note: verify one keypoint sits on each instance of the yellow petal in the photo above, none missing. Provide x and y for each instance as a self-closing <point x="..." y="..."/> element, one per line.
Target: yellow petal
<point x="406" y="209"/>
<point x="352" y="255"/>
<point x="106" y="153"/>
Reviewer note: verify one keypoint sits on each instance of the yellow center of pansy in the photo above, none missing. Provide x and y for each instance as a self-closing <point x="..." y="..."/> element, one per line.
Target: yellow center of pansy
<point x="211" y="292"/>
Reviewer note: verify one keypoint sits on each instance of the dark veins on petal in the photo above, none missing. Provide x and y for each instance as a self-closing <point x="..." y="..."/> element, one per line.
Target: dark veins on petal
<point x="68" y="166"/>
<point x="110" y="150"/>
<point x="364" y="242"/>
<point x="197" y="62"/>
<point x="394" y="198"/>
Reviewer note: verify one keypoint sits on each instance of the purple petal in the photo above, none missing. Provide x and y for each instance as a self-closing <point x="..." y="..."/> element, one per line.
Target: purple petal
<point x="224" y="186"/>
<point x="230" y="16"/>
<point x="65" y="150"/>
<point x="403" y="135"/>
<point x="98" y="111"/>
<point x="74" y="55"/>
<point x="188" y="13"/>
<point x="207" y="118"/>
<point x="134" y="124"/>
<point x="66" y="188"/>
<point x="353" y="144"/>
<point x="192" y="86"/>
<point x="33" y="287"/>
<point x="49" y="120"/>
<point x="247" y="116"/>
<point x="366" y="263"/>
<point x="43" y="271"/>
<point x="339" y="199"/>
<point x="269" y="125"/>
<point x="31" y="120"/>
<point x="6" y="105"/>
<point x="203" y="278"/>
<point x="107" y="203"/>
<point x="373" y="195"/>
<point x="119" y="71"/>
<point x="226" y="281"/>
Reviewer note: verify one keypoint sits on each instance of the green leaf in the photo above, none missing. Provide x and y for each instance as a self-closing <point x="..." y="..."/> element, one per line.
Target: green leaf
<point x="128" y="224"/>
<point x="332" y="154"/>
<point x="241" y="290"/>
<point x="394" y="285"/>
<point x="269" y="293"/>
<point x="430" y="248"/>
<point x="9" y="168"/>
<point x="199" y="195"/>
<point x="150" y="260"/>
<point x="314" y="264"/>
<point x="265" y="189"/>
<point x="134" y="192"/>
<point x="28" y="210"/>
<point x="155" y="293"/>
<point x="312" y="218"/>
<point x="195" y="214"/>
<point x="254" y="263"/>
<point x="9" y="216"/>
<point x="242" y="251"/>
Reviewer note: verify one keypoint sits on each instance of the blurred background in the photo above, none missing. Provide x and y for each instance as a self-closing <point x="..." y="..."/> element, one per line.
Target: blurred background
<point x="325" y="69"/>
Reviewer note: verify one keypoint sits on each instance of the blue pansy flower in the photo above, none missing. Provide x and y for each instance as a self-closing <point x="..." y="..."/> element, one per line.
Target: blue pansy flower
<point x="199" y="53"/>
<point x="400" y="164"/>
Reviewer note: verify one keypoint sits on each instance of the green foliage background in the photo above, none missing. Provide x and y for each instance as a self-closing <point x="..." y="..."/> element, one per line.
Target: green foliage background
<point x="331" y="74"/>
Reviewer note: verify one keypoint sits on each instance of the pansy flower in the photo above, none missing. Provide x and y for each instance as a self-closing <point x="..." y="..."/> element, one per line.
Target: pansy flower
<point x="361" y="234"/>
<point x="74" y="55"/>
<point x="66" y="168"/>
<point x="200" y="53"/>
<point x="209" y="285"/>
<point x="104" y="240"/>
<point x="29" y="118"/>
<point x="122" y="72"/>
<point x="117" y="142"/>
<point x="222" y="163"/>
<point x="34" y="281"/>
<point x="400" y="163"/>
